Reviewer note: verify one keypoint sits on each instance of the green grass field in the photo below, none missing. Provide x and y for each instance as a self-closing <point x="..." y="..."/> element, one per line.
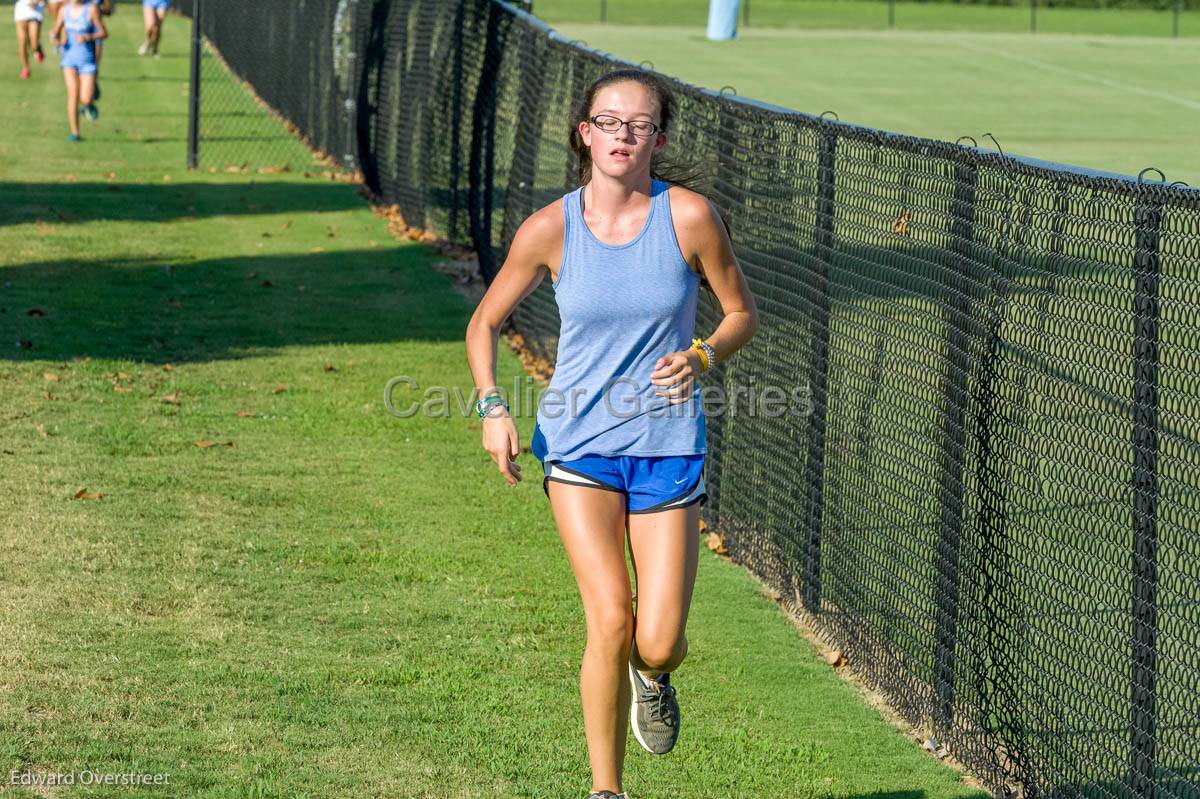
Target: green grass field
<point x="1113" y="103"/>
<point x="873" y="15"/>
<point x="331" y="601"/>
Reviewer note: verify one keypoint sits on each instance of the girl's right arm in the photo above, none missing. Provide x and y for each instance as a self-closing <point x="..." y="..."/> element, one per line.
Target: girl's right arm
<point x="58" y="26"/>
<point x="523" y="270"/>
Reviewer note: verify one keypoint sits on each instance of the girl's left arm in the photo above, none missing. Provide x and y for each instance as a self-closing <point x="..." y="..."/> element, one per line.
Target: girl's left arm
<point x="710" y="248"/>
<point x="719" y="265"/>
<point x="98" y="21"/>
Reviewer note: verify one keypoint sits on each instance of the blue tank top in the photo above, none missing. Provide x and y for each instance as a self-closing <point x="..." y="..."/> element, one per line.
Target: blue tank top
<point x="621" y="308"/>
<point x="80" y="23"/>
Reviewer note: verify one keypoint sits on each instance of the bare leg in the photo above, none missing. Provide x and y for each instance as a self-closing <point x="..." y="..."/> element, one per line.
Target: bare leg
<point x="666" y="550"/>
<point x="591" y="525"/>
<point x="87" y="89"/>
<point x="71" y="77"/>
<point x="159" y="15"/>
<point x="149" y="22"/>
<point x="23" y="44"/>
<point x="35" y="34"/>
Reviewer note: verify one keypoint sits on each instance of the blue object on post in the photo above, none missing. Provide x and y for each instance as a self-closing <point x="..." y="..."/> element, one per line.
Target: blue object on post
<point x="722" y="19"/>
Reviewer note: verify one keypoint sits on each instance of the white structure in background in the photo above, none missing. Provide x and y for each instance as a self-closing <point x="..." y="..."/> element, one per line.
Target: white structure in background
<point x="722" y="19"/>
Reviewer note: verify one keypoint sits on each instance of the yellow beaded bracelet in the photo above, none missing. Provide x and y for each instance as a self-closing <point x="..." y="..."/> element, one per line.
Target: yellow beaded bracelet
<point x="698" y="346"/>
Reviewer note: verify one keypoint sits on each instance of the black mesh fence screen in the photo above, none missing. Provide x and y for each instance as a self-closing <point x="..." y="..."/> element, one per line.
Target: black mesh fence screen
<point x="295" y="60"/>
<point x="989" y="495"/>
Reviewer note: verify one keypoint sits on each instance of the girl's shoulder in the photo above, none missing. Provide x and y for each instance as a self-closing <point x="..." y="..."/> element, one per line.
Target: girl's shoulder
<point x="688" y="207"/>
<point x="543" y="228"/>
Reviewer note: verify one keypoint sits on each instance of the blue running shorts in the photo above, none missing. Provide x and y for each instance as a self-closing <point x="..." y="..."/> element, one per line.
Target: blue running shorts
<point x="84" y="64"/>
<point x="650" y="483"/>
<point x="157" y="5"/>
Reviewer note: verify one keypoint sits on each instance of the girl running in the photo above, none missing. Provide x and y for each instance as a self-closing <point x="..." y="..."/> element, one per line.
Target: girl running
<point x="28" y="15"/>
<point x="620" y="432"/>
<point x="79" y="27"/>
<point x="153" y="14"/>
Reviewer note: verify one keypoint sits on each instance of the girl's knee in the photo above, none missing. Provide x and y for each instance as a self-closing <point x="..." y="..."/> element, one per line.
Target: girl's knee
<point x="660" y="652"/>
<point x="611" y="628"/>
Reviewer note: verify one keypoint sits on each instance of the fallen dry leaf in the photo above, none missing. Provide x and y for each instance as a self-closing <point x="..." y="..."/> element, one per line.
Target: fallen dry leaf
<point x="287" y="225"/>
<point x="121" y="389"/>
<point x="83" y="493"/>
<point x="330" y="367"/>
<point x="716" y="542"/>
<point x="247" y="413"/>
<point x="50" y="375"/>
<point x="171" y="398"/>
<point x="168" y="367"/>
<point x="835" y="658"/>
<point x="279" y="389"/>
<point x="207" y="444"/>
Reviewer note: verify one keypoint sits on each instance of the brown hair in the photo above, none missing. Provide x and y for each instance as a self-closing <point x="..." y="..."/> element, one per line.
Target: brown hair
<point x="661" y="167"/>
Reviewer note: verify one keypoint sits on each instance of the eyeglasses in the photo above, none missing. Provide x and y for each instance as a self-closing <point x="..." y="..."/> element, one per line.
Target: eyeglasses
<point x="609" y="124"/>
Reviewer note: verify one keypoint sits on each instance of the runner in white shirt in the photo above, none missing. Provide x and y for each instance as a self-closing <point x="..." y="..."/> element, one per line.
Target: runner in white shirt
<point x="28" y="15"/>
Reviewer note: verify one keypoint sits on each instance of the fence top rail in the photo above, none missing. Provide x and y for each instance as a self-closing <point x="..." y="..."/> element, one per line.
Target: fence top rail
<point x="1177" y="193"/>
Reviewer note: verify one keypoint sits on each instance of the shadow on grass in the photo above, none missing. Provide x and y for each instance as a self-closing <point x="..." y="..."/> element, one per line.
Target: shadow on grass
<point x="63" y="202"/>
<point x="162" y="310"/>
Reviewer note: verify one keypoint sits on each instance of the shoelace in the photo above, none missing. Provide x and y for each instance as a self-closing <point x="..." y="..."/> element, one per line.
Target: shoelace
<point x="660" y="710"/>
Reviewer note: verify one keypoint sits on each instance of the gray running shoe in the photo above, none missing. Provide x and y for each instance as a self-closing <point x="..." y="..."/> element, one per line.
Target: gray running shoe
<point x="654" y="713"/>
<point x="607" y="795"/>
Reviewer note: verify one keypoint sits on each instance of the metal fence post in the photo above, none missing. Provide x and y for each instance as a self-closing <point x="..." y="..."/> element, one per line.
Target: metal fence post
<point x="1144" y="644"/>
<point x="891" y="13"/>
<point x="193" y="156"/>
<point x="814" y="473"/>
<point x="957" y="263"/>
<point x="1033" y="16"/>
<point x="1175" y="18"/>
<point x="481" y="188"/>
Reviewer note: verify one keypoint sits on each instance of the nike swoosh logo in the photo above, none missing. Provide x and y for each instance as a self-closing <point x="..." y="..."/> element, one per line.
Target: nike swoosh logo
<point x="677" y="482"/>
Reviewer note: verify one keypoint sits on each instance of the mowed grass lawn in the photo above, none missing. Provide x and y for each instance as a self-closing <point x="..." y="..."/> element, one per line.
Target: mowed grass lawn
<point x="873" y="15"/>
<point x="1112" y="103"/>
<point x="330" y="601"/>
